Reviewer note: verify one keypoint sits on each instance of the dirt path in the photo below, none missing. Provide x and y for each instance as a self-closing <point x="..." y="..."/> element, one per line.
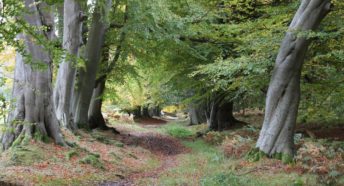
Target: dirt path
<point x="165" y="148"/>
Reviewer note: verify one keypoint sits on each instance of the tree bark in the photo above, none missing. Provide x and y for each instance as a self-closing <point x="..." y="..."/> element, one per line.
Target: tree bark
<point x="95" y="112"/>
<point x="64" y="89"/>
<point x="137" y="112"/>
<point x="196" y="114"/>
<point x="87" y="76"/>
<point x="145" y="112"/>
<point x="219" y="113"/>
<point x="154" y="111"/>
<point x="95" y="116"/>
<point x="33" y="113"/>
<point x="277" y="134"/>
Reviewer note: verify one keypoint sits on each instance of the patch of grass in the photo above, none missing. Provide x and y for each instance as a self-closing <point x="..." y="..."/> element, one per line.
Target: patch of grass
<point x="207" y="165"/>
<point x="224" y="179"/>
<point x="178" y="131"/>
<point x="93" y="160"/>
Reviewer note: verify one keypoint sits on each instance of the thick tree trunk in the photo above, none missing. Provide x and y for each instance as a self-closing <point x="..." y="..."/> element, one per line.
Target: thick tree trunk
<point x="221" y="117"/>
<point x="225" y="118"/>
<point x="95" y="117"/>
<point x="196" y="114"/>
<point x="33" y="113"/>
<point x="219" y="113"/>
<point x="283" y="95"/>
<point x="87" y="76"/>
<point x="64" y="89"/>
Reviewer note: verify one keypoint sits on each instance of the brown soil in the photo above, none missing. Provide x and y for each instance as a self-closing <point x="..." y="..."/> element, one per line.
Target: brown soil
<point x="156" y="143"/>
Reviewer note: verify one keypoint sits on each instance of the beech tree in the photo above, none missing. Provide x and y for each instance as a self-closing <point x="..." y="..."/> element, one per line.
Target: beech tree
<point x="33" y="114"/>
<point x="95" y="116"/>
<point x="219" y="112"/>
<point x="93" y="50"/>
<point x="64" y="88"/>
<point x="277" y="134"/>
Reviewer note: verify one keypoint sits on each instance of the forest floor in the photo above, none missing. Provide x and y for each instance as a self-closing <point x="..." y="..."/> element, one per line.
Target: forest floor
<point x="167" y="152"/>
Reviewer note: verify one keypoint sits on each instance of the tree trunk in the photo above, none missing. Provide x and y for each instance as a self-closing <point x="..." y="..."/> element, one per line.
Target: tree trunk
<point x="277" y="134"/>
<point x="137" y="112"/>
<point x="64" y="89"/>
<point x="219" y="114"/>
<point x="154" y="111"/>
<point x="211" y="118"/>
<point x="95" y="116"/>
<point x="196" y="114"/>
<point x="145" y="112"/>
<point x="87" y="76"/>
<point x="33" y="113"/>
<point x="225" y="118"/>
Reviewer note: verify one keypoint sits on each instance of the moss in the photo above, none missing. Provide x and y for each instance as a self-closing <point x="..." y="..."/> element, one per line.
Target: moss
<point x="71" y="154"/>
<point x="41" y="137"/>
<point x="25" y="155"/>
<point x="71" y="144"/>
<point x="26" y="140"/>
<point x="93" y="160"/>
<point x="255" y="155"/>
<point x="18" y="141"/>
<point x="119" y="144"/>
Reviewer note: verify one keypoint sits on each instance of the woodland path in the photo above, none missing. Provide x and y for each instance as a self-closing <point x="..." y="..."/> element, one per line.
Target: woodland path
<point x="165" y="148"/>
